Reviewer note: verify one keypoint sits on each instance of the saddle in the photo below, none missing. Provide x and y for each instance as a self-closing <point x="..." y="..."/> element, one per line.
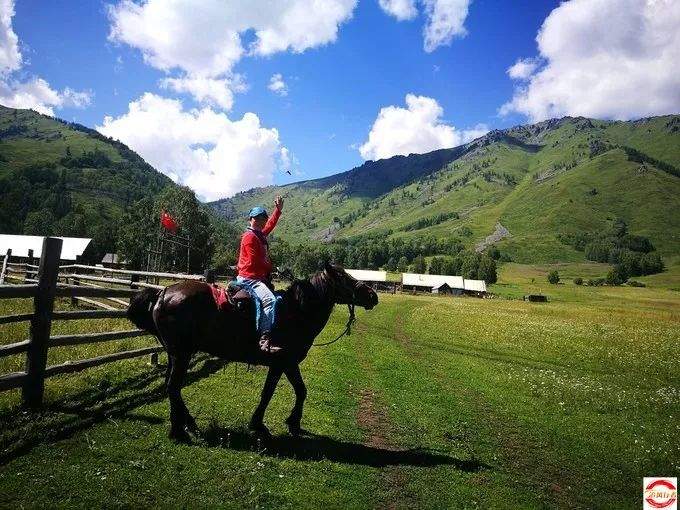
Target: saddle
<point x="234" y="297"/>
<point x="240" y="299"/>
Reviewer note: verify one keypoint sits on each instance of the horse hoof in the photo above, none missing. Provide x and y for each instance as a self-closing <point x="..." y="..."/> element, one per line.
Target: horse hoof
<point x="180" y="436"/>
<point x="260" y="430"/>
<point x="294" y="429"/>
<point x="193" y="431"/>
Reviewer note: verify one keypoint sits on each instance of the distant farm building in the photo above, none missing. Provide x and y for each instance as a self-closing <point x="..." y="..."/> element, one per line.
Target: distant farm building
<point x="442" y="284"/>
<point x="432" y="282"/>
<point x="475" y="287"/>
<point x="27" y="247"/>
<point x="377" y="279"/>
<point x="113" y="260"/>
<point x="444" y="289"/>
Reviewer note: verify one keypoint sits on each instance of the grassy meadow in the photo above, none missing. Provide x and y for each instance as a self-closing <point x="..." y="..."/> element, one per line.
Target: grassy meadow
<point x="433" y="401"/>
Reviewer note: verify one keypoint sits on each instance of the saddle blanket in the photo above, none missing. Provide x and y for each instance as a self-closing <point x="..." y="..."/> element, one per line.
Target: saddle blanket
<point x="229" y="298"/>
<point x="220" y="296"/>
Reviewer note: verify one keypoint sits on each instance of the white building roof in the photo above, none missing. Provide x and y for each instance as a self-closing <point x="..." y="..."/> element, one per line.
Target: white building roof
<point x="431" y="280"/>
<point x="72" y="246"/>
<point x="475" y="285"/>
<point x="367" y="276"/>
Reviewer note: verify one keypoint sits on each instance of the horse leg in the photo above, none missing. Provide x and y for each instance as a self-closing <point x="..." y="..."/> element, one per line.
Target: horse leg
<point x="295" y="378"/>
<point x="179" y="365"/>
<point x="256" y="423"/>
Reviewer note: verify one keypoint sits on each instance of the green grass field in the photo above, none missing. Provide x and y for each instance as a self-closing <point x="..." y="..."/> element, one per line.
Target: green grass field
<point x="434" y="402"/>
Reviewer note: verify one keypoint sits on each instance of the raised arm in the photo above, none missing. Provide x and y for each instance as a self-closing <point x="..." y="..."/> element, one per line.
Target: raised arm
<point x="274" y="218"/>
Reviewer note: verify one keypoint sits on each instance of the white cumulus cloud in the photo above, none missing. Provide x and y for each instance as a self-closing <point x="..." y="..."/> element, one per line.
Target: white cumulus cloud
<point x="201" y="148"/>
<point x="418" y="128"/>
<point x="205" y="39"/>
<point x="445" y="19"/>
<point x="10" y="56"/>
<point x="603" y="58"/>
<point x="523" y="68"/>
<point x="211" y="91"/>
<point x="277" y="85"/>
<point x="400" y="9"/>
<point x="35" y="93"/>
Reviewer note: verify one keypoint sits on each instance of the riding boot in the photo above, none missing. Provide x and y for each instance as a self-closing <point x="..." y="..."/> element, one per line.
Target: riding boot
<point x="266" y="344"/>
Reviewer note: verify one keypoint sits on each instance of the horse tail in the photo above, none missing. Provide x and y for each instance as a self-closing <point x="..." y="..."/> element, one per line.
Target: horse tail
<point x="141" y="307"/>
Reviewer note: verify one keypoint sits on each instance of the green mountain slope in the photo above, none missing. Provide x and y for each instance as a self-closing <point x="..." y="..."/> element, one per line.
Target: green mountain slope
<point x="65" y="179"/>
<point x="525" y="184"/>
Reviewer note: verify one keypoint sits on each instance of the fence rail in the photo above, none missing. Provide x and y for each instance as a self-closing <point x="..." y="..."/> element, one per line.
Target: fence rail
<point x="42" y="283"/>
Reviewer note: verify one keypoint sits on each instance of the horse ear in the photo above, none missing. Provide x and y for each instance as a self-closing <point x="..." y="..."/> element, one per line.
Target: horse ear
<point x="327" y="265"/>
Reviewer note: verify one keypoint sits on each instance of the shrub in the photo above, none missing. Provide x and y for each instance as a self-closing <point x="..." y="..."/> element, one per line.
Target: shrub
<point x="553" y="277"/>
<point x="596" y="282"/>
<point x="617" y="275"/>
<point x="634" y="283"/>
<point x="578" y="281"/>
<point x="419" y="264"/>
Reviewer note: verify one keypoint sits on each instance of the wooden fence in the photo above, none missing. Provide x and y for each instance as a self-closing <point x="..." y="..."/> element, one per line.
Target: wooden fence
<point x="44" y="283"/>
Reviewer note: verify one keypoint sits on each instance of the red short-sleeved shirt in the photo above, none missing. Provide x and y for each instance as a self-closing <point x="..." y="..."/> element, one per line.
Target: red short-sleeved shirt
<point x="253" y="258"/>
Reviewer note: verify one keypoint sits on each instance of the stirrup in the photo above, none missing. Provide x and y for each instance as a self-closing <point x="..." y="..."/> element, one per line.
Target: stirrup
<point x="266" y="344"/>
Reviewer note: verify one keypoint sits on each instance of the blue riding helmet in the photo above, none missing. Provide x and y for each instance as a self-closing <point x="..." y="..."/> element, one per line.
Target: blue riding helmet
<point x="256" y="211"/>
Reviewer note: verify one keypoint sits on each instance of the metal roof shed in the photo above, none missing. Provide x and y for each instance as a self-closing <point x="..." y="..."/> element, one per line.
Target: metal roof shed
<point x="20" y="244"/>
<point x="431" y="280"/>
<point x="475" y="285"/>
<point x="365" y="275"/>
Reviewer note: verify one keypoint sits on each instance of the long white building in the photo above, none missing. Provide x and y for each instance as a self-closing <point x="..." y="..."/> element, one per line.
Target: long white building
<point x="19" y="244"/>
<point x="433" y="282"/>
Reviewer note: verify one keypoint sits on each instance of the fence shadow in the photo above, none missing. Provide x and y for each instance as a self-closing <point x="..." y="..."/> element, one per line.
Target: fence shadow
<point x="21" y="431"/>
<point x="319" y="447"/>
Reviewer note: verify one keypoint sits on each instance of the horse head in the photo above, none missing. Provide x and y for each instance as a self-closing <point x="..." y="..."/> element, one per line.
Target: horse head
<point x="348" y="290"/>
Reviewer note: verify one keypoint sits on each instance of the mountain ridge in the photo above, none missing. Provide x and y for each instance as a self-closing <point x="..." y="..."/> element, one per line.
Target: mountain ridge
<point x="473" y="187"/>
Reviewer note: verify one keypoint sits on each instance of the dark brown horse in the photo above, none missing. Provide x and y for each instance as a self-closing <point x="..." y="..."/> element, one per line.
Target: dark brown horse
<point x="186" y="320"/>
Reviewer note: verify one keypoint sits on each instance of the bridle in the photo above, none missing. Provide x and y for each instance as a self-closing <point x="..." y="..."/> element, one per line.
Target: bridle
<point x="350" y="321"/>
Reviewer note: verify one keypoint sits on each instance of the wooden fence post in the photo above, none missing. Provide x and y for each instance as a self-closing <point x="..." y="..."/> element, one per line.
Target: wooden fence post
<point x="41" y="323"/>
<point x="3" y="271"/>
<point x="29" y="261"/>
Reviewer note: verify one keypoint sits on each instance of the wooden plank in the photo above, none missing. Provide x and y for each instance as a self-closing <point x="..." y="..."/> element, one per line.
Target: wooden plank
<point x="117" y="281"/>
<point x="73" y="290"/>
<point x="93" y="338"/>
<point x="77" y="366"/>
<point x="87" y="314"/>
<point x="18" y="291"/>
<point x="12" y="380"/>
<point x="15" y="348"/>
<point x="19" y="317"/>
<point x="98" y="304"/>
<point x="177" y="276"/>
<point x="118" y="301"/>
<point x="3" y="271"/>
<point x="43" y="304"/>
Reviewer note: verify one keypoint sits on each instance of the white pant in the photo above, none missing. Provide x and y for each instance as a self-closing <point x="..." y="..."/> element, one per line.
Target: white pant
<point x="267" y="299"/>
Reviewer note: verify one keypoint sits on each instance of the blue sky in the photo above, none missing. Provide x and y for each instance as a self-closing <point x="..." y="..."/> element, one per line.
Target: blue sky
<point x="335" y="89"/>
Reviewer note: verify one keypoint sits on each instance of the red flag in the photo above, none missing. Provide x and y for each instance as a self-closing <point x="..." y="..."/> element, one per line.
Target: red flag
<point x="168" y="222"/>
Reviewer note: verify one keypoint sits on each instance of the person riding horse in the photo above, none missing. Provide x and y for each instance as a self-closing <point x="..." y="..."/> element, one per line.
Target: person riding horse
<point x="255" y="267"/>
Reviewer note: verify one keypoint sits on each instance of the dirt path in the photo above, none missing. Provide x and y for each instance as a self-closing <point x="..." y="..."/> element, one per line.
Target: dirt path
<point x="373" y="420"/>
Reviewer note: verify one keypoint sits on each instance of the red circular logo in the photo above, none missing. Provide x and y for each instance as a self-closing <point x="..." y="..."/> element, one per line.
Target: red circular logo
<point x="660" y="493"/>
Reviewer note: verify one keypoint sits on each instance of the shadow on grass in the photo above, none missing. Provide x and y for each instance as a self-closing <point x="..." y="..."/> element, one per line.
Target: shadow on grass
<point x="319" y="447"/>
<point x="21" y="431"/>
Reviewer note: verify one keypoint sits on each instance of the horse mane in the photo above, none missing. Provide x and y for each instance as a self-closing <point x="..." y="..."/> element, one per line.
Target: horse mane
<point x="318" y="287"/>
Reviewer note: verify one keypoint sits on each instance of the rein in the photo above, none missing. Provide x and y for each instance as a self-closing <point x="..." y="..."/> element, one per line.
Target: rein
<point x="348" y="327"/>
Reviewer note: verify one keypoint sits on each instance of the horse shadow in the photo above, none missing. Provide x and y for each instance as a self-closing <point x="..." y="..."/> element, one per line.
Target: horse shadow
<point x="316" y="447"/>
<point x="21" y="431"/>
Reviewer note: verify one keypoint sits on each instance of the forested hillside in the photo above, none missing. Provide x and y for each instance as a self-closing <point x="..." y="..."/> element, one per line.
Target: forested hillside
<point x="65" y="179"/>
<point x="524" y="190"/>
